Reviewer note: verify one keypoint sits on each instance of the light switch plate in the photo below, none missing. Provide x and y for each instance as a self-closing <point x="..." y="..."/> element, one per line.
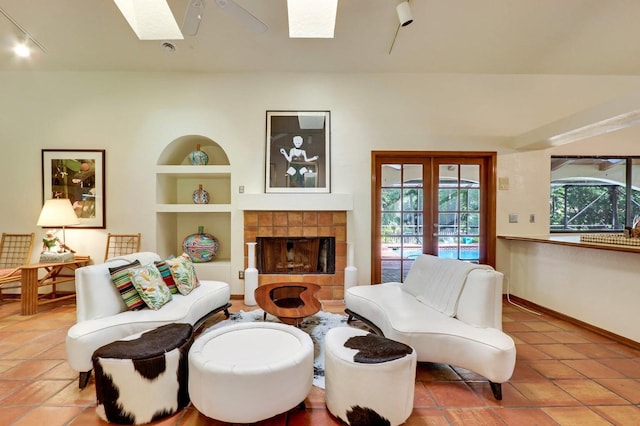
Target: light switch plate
<point x="513" y="217"/>
<point x="503" y="183"/>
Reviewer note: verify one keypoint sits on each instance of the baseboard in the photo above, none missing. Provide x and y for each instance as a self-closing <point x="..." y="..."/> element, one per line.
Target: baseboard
<point x="620" y="339"/>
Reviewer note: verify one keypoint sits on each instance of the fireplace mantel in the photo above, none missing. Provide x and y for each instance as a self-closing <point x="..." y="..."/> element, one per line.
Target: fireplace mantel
<point x="295" y="202"/>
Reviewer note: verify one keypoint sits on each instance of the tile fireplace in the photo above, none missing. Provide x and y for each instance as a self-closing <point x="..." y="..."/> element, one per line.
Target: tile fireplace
<point x="306" y="246"/>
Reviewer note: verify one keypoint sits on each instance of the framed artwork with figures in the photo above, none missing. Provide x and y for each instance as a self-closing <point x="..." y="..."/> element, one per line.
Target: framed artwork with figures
<point x="298" y="152"/>
<point x="79" y="176"/>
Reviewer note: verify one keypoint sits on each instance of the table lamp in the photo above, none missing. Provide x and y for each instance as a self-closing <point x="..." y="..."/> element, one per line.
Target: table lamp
<point x="55" y="213"/>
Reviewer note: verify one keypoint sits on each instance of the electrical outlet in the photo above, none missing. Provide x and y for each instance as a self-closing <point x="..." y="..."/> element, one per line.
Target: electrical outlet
<point x="241" y="189"/>
<point x="532" y="218"/>
<point x="241" y="275"/>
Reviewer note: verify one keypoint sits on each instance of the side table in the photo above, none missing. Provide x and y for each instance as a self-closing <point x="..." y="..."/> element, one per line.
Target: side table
<point x="291" y="302"/>
<point x="55" y="273"/>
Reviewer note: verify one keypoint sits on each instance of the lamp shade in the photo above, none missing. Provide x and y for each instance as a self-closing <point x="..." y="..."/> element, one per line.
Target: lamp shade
<point x="57" y="212"/>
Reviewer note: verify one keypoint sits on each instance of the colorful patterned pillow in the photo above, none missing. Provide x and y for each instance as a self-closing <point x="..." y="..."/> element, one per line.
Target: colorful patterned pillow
<point x="184" y="273"/>
<point x="120" y="278"/>
<point x="150" y="286"/>
<point x="165" y="272"/>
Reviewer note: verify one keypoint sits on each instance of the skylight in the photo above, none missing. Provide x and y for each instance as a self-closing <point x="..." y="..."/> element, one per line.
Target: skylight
<point x="150" y="19"/>
<point x="312" y="18"/>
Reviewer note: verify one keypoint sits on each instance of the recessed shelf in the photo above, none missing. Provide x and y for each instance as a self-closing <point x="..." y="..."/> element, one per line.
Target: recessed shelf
<point x="193" y="208"/>
<point x="176" y="214"/>
<point x="191" y="171"/>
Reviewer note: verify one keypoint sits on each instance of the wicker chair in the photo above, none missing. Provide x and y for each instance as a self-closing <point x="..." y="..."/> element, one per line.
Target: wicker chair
<point x="15" y="251"/>
<point x="121" y="244"/>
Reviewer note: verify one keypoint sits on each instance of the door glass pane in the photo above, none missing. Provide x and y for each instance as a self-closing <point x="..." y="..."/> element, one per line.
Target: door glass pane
<point x="402" y="216"/>
<point x="412" y="224"/>
<point x="449" y="173"/>
<point x="448" y="247"/>
<point x="390" y="270"/>
<point x="469" y="248"/>
<point x="470" y="223"/>
<point x="447" y="224"/>
<point x="469" y="175"/>
<point x="470" y="199"/>
<point x="458" y="226"/>
<point x="412" y="175"/>
<point x="391" y="226"/>
<point x="412" y="199"/>
<point x="390" y="175"/>
<point x="391" y="199"/>
<point x="448" y="199"/>
<point x="411" y="247"/>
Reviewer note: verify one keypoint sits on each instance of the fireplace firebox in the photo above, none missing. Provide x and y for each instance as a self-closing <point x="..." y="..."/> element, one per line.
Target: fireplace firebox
<point x="296" y="255"/>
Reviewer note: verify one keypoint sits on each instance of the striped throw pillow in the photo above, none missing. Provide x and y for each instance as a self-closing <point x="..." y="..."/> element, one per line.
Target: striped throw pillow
<point x="122" y="281"/>
<point x="165" y="272"/>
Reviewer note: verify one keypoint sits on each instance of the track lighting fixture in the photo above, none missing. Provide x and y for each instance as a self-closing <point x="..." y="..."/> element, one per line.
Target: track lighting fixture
<point x="22" y="48"/>
<point x="404" y="13"/>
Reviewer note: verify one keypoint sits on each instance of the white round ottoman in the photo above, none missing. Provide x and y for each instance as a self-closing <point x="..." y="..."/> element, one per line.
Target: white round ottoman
<point x="369" y="379"/>
<point x="246" y="372"/>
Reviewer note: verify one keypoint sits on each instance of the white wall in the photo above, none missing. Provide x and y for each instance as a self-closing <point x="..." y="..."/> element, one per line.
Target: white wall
<point x="135" y="115"/>
<point x="598" y="287"/>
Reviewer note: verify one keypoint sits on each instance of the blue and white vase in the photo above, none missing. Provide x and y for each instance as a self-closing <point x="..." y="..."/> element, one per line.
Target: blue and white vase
<point x="198" y="157"/>
<point x="200" y="196"/>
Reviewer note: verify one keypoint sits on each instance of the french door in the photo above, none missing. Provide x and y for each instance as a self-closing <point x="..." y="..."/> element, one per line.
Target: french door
<point x="431" y="202"/>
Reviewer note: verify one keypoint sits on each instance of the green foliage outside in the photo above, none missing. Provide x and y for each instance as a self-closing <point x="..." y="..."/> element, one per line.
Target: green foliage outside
<point x="591" y="207"/>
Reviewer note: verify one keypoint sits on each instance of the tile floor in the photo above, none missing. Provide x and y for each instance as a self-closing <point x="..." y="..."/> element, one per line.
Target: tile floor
<point x="564" y="376"/>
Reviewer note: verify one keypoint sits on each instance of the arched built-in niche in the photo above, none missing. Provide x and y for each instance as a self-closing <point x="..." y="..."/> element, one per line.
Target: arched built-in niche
<point x="177" y="152"/>
<point x="177" y="216"/>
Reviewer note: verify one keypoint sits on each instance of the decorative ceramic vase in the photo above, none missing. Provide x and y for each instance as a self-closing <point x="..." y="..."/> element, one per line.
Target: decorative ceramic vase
<point x="201" y="247"/>
<point x="350" y="272"/>
<point x="198" y="157"/>
<point x="250" y="276"/>
<point x="200" y="196"/>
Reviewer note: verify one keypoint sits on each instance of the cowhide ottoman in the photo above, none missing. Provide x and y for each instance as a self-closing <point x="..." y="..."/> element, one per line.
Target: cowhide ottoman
<point x="369" y="379"/>
<point x="143" y="377"/>
<point x="247" y="372"/>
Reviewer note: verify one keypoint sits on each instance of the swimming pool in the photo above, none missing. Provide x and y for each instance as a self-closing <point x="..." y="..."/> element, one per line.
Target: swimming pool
<point x="466" y="253"/>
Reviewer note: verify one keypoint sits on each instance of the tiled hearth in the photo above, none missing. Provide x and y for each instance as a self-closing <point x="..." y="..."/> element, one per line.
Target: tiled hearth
<point x="302" y="224"/>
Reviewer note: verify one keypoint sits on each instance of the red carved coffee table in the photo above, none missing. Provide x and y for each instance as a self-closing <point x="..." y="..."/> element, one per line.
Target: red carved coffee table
<point x="291" y="302"/>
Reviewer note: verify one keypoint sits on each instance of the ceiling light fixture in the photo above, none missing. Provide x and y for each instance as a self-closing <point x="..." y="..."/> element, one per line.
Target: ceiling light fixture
<point x="22" y="48"/>
<point x="404" y="13"/>
<point x="150" y="19"/>
<point x="404" y="16"/>
<point x="312" y="18"/>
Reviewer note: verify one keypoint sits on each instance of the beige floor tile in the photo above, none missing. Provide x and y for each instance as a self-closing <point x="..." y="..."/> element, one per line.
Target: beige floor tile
<point x="564" y="375"/>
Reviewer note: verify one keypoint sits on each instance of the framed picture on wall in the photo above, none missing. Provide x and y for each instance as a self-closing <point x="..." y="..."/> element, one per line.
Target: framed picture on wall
<point x="298" y="154"/>
<point x="79" y="176"/>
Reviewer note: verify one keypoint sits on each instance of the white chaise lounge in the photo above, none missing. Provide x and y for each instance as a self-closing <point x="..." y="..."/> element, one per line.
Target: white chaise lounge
<point x="448" y="310"/>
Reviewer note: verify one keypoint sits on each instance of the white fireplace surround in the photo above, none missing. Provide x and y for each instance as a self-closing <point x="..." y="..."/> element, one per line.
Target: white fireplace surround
<point x="296" y="202"/>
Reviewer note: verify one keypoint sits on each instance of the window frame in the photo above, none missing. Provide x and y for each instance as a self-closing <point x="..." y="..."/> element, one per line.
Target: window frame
<point x="627" y="185"/>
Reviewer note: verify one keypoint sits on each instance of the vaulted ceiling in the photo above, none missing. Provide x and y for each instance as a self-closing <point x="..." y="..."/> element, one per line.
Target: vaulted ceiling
<point x="521" y="38"/>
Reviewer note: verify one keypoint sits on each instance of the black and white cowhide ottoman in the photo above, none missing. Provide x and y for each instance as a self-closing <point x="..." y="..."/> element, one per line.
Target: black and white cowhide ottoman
<point x="369" y="379"/>
<point x="143" y="377"/>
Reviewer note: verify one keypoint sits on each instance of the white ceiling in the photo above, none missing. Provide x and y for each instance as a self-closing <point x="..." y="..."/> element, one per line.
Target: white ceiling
<point x="501" y="37"/>
<point x="447" y="36"/>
